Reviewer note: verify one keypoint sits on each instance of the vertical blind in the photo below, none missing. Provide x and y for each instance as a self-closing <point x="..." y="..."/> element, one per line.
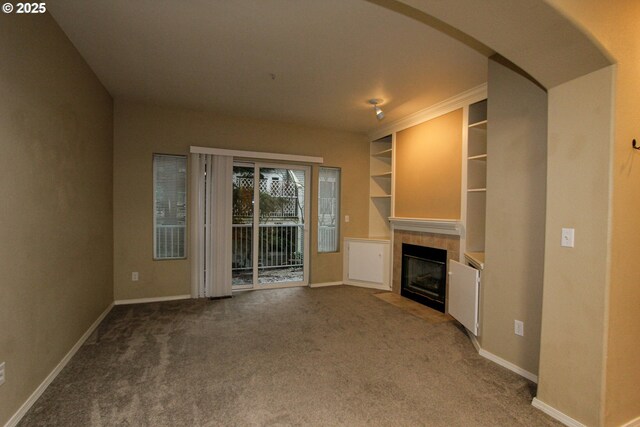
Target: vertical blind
<point x="328" y="209"/>
<point x="170" y="206"/>
<point x="211" y="236"/>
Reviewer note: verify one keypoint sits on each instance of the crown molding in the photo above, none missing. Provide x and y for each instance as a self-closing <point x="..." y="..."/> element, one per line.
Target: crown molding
<point x="463" y="99"/>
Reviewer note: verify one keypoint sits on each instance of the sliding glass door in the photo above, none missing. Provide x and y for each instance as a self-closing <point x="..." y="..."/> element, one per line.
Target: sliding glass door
<point x="270" y="229"/>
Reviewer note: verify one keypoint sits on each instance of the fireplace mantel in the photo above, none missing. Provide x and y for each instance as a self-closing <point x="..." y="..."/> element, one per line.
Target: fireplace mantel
<point x="436" y="226"/>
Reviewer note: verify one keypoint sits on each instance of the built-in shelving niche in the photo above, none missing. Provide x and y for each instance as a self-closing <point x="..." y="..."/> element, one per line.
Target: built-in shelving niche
<point x="380" y="186"/>
<point x="476" y="177"/>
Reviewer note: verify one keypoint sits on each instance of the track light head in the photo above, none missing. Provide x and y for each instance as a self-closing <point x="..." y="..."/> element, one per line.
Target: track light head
<point x="379" y="112"/>
<point x="376" y="108"/>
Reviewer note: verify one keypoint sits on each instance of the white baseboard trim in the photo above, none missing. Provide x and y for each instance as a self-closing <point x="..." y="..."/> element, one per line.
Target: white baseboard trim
<point x="499" y="360"/>
<point x="633" y="423"/>
<point x="510" y="366"/>
<point x="15" y="419"/>
<point x="147" y="300"/>
<point x="554" y="413"/>
<point x="325" y="284"/>
<point x="474" y="341"/>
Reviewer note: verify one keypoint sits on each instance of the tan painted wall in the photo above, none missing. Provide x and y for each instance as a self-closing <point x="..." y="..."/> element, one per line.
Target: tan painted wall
<point x="142" y="130"/>
<point x="615" y="27"/>
<point x="516" y="193"/>
<point x="575" y="291"/>
<point x="428" y="174"/>
<point x="56" y="231"/>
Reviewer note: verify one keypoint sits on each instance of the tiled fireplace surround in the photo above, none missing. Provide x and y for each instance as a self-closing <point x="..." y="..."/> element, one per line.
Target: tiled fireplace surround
<point x="448" y="242"/>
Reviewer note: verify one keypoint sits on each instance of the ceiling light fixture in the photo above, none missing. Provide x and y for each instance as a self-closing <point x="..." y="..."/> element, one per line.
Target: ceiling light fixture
<point x="376" y="108"/>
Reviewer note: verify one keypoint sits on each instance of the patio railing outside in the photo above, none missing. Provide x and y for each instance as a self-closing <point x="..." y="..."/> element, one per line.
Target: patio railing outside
<point x="280" y="245"/>
<point x="327" y="238"/>
<point x="170" y="241"/>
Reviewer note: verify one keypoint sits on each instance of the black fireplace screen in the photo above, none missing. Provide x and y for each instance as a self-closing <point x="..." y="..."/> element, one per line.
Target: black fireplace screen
<point x="424" y="277"/>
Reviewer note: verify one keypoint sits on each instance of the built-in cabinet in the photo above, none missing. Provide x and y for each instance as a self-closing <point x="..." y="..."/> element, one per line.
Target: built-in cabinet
<point x="380" y="187"/>
<point x="362" y="256"/>
<point x="465" y="278"/>
<point x="367" y="263"/>
<point x="382" y="178"/>
<point x="464" y="295"/>
<point x="383" y="165"/>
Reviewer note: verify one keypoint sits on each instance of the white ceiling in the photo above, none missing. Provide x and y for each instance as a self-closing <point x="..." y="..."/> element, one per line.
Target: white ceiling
<point x="301" y="61"/>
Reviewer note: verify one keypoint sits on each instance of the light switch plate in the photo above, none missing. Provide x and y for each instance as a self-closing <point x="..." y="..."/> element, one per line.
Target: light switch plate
<point x="518" y="327"/>
<point x="567" y="237"/>
<point x="346" y="218"/>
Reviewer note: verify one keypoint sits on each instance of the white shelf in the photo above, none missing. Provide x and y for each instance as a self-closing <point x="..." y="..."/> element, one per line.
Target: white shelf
<point x="478" y="157"/>
<point x="382" y="175"/>
<point x="383" y="196"/>
<point x="384" y="153"/>
<point x="476" y="190"/>
<point x="479" y="125"/>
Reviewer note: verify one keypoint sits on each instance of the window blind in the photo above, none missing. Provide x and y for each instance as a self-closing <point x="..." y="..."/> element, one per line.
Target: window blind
<point x="328" y="209"/>
<point x="170" y="206"/>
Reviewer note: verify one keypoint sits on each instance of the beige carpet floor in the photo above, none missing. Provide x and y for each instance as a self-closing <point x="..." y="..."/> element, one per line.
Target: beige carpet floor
<point x="414" y="308"/>
<point x="320" y="357"/>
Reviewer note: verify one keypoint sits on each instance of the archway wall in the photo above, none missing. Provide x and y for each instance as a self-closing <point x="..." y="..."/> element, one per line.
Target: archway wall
<point x="615" y="27"/>
<point x="568" y="46"/>
<point x="575" y="285"/>
<point x="516" y="208"/>
<point x="531" y="34"/>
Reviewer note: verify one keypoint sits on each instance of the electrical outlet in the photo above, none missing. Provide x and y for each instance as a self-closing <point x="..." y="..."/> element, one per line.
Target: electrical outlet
<point x="518" y="327"/>
<point x="135" y="276"/>
<point x="1" y="373"/>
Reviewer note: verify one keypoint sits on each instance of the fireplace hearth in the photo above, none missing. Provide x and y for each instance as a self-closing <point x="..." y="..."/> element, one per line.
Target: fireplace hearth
<point x="424" y="275"/>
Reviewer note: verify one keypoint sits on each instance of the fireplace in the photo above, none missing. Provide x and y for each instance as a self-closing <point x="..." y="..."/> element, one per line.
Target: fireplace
<point x="424" y="275"/>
